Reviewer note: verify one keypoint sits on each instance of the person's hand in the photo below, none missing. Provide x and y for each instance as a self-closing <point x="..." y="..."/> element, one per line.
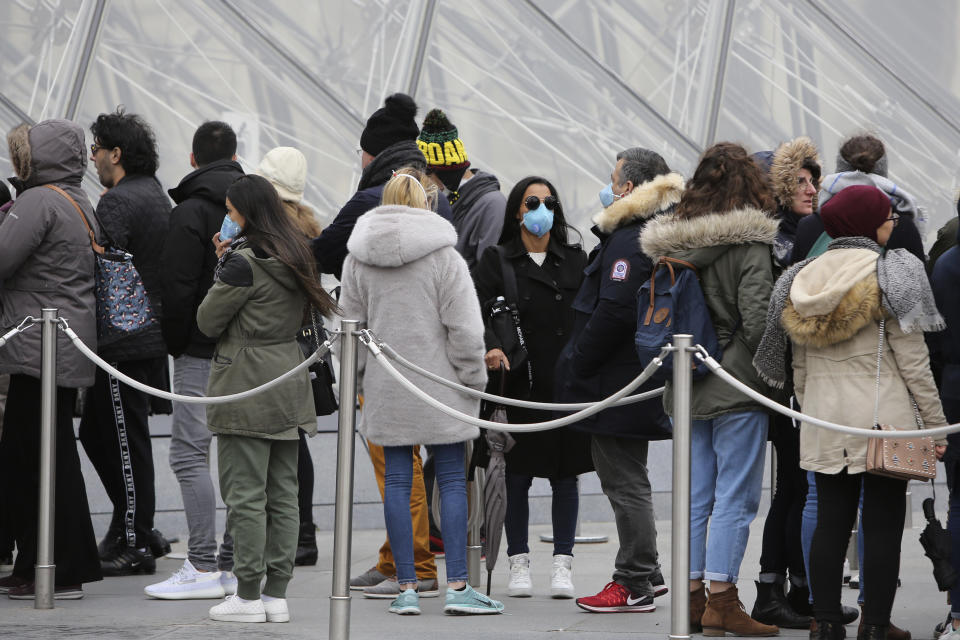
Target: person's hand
<point x="221" y="246"/>
<point x="494" y="357"/>
<point x="940" y="449"/>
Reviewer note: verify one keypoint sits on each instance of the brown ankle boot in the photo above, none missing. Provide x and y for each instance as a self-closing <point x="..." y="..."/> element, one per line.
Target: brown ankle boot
<point x="893" y="631"/>
<point x="698" y="603"/>
<point x="725" y="614"/>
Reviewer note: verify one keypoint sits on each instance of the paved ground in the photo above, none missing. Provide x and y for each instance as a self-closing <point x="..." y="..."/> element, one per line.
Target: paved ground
<point x="116" y="608"/>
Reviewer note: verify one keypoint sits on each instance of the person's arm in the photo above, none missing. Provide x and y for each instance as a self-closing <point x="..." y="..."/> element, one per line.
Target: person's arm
<point x="753" y="293"/>
<point x="488" y="282"/>
<point x="113" y="216"/>
<point x="330" y="248"/>
<point x="230" y="291"/>
<point x="913" y="361"/>
<point x="184" y="255"/>
<point x="24" y="228"/>
<point x="460" y="314"/>
<point x="799" y="372"/>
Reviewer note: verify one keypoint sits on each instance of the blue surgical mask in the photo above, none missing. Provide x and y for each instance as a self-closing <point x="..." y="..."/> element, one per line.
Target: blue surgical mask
<point x="229" y="229"/>
<point x="538" y="221"/>
<point x="607" y="196"/>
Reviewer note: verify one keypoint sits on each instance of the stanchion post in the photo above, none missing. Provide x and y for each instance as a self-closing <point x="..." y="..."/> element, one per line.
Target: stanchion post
<point x="680" y="545"/>
<point x="45" y="568"/>
<point x="343" y="509"/>
<point x="475" y="511"/>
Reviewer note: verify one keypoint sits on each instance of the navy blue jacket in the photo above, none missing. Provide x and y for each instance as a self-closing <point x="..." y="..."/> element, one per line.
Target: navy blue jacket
<point x="945" y="279"/>
<point x="600" y="357"/>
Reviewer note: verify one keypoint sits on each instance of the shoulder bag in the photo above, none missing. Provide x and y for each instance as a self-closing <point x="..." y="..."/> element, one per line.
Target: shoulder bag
<point x="904" y="459"/>
<point x="123" y="306"/>
<point x="505" y="321"/>
<point x="310" y="338"/>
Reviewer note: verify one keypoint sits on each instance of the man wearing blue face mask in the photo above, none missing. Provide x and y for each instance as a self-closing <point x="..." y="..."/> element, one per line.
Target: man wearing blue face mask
<point x="600" y="359"/>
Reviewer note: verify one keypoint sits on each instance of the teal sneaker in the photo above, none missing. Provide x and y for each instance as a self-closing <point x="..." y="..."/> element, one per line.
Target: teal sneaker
<point x="406" y="604"/>
<point x="470" y="602"/>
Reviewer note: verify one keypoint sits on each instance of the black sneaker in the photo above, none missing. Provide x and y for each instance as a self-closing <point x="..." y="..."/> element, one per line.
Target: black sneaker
<point x="658" y="584"/>
<point x="109" y="545"/>
<point x="126" y="561"/>
<point x="159" y="545"/>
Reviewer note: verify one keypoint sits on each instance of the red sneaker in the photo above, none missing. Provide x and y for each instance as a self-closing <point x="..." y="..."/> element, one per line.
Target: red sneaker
<point x="616" y="598"/>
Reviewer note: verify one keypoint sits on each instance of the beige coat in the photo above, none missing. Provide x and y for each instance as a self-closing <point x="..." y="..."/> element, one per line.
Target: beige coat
<point x="832" y="318"/>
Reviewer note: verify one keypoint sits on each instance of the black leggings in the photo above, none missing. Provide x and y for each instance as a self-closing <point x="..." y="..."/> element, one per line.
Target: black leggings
<point x="884" y="508"/>
<point x="781" y="549"/>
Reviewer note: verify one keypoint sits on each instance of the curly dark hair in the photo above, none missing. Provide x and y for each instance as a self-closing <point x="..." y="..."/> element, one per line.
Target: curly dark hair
<point x="133" y="136"/>
<point x="727" y="178"/>
<point x="511" y="228"/>
<point x="270" y="228"/>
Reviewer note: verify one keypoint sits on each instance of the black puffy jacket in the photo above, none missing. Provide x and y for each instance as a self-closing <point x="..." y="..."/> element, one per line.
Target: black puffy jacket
<point x="189" y="258"/>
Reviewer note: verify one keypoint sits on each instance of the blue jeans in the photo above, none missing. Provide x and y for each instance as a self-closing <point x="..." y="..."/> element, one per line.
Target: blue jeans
<point x="727" y="454"/>
<point x="566" y="503"/>
<point x="398" y="480"/>
<point x="809" y="524"/>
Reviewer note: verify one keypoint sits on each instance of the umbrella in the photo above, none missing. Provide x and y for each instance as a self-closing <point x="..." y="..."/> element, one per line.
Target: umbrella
<point x="495" y="488"/>
<point x="936" y="544"/>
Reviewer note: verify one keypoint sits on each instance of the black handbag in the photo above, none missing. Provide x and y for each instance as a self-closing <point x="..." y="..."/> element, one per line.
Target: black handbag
<point x="504" y="318"/>
<point x="310" y="338"/>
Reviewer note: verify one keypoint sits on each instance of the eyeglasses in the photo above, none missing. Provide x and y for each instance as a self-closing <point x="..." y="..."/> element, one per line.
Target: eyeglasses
<point x="895" y="217"/>
<point x="94" y="148"/>
<point x="532" y="202"/>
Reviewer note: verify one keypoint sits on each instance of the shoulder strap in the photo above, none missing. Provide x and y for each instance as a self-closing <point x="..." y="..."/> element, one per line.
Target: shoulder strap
<point x="509" y="277"/>
<point x="93" y="242"/>
<point x="876" y="404"/>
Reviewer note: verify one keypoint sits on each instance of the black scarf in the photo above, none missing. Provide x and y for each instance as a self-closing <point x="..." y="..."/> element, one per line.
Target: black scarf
<point x="397" y="156"/>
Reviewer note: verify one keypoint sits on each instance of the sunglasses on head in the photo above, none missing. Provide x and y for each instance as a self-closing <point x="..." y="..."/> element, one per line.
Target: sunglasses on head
<point x="532" y="202"/>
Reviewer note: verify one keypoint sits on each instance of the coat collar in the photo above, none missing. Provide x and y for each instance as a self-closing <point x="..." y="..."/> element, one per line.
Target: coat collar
<point x="645" y="201"/>
<point x="515" y="249"/>
<point x="667" y="234"/>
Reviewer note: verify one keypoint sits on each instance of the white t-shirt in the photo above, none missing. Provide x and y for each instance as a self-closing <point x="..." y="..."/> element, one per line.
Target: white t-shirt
<point x="539" y="257"/>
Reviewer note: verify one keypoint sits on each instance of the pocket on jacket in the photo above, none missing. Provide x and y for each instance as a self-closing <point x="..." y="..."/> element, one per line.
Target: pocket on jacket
<point x="221" y="359"/>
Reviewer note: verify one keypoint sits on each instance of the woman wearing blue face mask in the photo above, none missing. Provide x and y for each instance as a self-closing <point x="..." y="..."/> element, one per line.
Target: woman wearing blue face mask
<point x="535" y="263"/>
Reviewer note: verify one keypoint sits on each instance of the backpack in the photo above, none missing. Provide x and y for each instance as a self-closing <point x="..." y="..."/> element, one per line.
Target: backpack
<point x="672" y="302"/>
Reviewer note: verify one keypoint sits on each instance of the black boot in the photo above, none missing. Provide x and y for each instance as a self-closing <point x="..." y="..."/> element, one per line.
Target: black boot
<point x="799" y="599"/>
<point x="849" y="613"/>
<point x="829" y="631"/>
<point x="872" y="632"/>
<point x="159" y="545"/>
<point x="771" y="607"/>
<point x="306" y="545"/>
<point x="111" y="541"/>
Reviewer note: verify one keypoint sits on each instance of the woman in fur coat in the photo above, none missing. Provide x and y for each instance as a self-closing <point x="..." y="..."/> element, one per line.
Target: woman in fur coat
<point x="843" y="312"/>
<point x="723" y="226"/>
<point x="405" y="280"/>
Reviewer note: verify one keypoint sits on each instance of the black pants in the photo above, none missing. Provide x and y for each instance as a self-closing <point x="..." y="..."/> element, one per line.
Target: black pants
<point x="884" y="508"/>
<point x="74" y="545"/>
<point x="781" y="550"/>
<point x="116" y="436"/>
<point x="305" y="478"/>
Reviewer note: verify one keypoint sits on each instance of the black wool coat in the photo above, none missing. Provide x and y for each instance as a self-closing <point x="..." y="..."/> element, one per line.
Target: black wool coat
<point x="546" y="318"/>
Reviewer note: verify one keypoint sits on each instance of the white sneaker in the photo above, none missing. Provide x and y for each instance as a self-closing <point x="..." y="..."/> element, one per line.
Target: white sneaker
<point x="232" y="609"/>
<point x="188" y="584"/>
<point x="561" y="578"/>
<point x="520" y="585"/>
<point x="229" y="583"/>
<point x="276" y="610"/>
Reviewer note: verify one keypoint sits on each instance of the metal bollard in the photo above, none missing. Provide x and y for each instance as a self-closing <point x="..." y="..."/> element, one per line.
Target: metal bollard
<point x="45" y="568"/>
<point x="475" y="511"/>
<point x="680" y="549"/>
<point x="343" y="509"/>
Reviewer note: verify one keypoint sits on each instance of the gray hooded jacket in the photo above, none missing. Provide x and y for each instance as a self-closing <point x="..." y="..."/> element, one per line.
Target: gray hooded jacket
<point x="45" y="256"/>
<point x="405" y="280"/>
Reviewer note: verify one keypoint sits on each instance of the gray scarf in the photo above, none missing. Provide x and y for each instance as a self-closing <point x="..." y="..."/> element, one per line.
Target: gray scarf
<point x="905" y="291"/>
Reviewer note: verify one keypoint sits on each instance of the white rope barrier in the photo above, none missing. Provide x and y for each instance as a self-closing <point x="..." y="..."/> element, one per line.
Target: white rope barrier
<point x="526" y="404"/>
<point x="645" y="375"/>
<point x="25" y="324"/>
<point x="862" y="432"/>
<point x="100" y="362"/>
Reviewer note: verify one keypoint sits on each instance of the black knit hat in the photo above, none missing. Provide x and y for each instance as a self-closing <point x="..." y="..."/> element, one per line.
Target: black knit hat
<point x="390" y="124"/>
<point x="441" y="146"/>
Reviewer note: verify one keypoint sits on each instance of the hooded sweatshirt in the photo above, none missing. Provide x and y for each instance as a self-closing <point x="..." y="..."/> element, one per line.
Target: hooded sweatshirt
<point x="478" y="215"/>
<point x="254" y="310"/>
<point x="405" y="280"/>
<point x="45" y="256"/>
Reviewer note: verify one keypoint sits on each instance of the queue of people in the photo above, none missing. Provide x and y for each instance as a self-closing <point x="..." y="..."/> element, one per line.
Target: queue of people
<point x="815" y="286"/>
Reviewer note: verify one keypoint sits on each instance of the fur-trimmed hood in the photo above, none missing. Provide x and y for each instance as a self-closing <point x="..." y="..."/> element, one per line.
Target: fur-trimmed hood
<point x="645" y="201"/>
<point x="49" y="151"/>
<point x="394" y="235"/>
<point x="788" y="159"/>
<point x="667" y="234"/>
<point x="858" y="308"/>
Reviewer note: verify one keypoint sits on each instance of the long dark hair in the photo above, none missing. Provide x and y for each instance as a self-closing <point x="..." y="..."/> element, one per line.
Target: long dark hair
<point x="511" y="226"/>
<point x="726" y="179"/>
<point x="268" y="227"/>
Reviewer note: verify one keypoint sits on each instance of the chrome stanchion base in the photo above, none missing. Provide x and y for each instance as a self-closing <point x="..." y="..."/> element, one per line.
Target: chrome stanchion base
<point x="579" y="539"/>
<point x="474" y="553"/>
<point x="43" y="586"/>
